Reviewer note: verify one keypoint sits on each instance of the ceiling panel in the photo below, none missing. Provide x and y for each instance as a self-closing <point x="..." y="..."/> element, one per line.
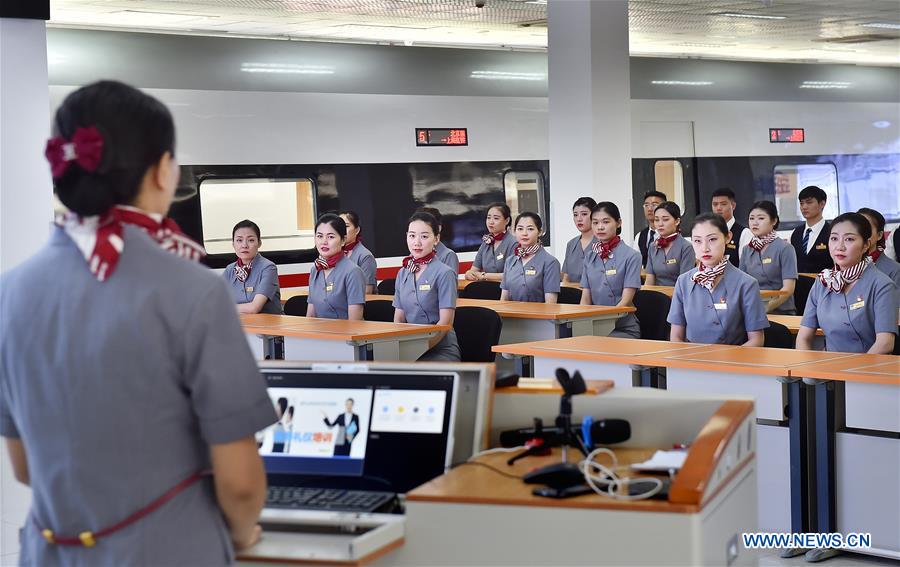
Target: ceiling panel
<point x="763" y="30"/>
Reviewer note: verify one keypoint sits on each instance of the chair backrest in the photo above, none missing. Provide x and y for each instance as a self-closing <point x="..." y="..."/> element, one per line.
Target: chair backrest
<point x="778" y="336"/>
<point x="570" y="295"/>
<point x="652" y="311"/>
<point x="801" y="292"/>
<point x="296" y="306"/>
<point x="386" y="287"/>
<point x="379" y="310"/>
<point x="897" y="342"/>
<point x="477" y="330"/>
<point x="481" y="290"/>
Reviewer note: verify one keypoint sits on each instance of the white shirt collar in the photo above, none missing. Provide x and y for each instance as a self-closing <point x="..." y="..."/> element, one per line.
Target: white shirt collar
<point x="818" y="226"/>
<point x="730" y="223"/>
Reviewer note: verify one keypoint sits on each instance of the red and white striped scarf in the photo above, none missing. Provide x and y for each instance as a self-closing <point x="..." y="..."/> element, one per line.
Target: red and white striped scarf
<point x="706" y="276"/>
<point x="836" y="279"/>
<point x="759" y="243"/>
<point x="604" y="249"/>
<point x="242" y="270"/>
<point x="348" y="248"/>
<point x="490" y="239"/>
<point x="415" y="264"/>
<point x="527" y="251"/>
<point x="663" y="241"/>
<point x="100" y="238"/>
<point x="323" y="263"/>
<point x="875" y="254"/>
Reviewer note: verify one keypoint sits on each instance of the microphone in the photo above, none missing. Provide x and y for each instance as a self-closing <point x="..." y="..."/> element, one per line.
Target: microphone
<point x="600" y="432"/>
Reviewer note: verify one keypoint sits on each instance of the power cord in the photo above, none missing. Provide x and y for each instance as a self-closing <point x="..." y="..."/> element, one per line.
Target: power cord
<point x="599" y="476"/>
<point x="480" y="464"/>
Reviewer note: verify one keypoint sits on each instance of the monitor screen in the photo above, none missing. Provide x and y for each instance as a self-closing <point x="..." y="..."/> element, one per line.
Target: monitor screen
<point x="370" y="431"/>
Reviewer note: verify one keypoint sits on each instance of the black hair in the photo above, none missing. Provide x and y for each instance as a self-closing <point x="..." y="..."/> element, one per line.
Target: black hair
<point x="879" y="222"/>
<point x="813" y="192"/>
<point x="671" y="208"/>
<point x="504" y="210"/>
<point x="612" y="210"/>
<point x="770" y="209"/>
<point x="713" y="219"/>
<point x="290" y="411"/>
<point x="588" y="202"/>
<point x="655" y="193"/>
<point x="724" y="192"/>
<point x="246" y="224"/>
<point x="859" y="221"/>
<point x="283" y="404"/>
<point x="350" y="400"/>
<point x="335" y="222"/>
<point x="428" y="219"/>
<point x="354" y="218"/>
<point x="533" y="216"/>
<point x="137" y="131"/>
<point x="435" y="213"/>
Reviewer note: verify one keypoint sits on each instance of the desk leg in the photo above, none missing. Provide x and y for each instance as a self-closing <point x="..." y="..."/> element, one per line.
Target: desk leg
<point x="524" y="367"/>
<point x="824" y="449"/>
<point x="799" y="435"/>
<point x="564" y="330"/>
<point x="365" y="352"/>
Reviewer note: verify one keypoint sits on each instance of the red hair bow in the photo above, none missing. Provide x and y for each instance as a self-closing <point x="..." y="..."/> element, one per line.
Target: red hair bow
<point x="85" y="148"/>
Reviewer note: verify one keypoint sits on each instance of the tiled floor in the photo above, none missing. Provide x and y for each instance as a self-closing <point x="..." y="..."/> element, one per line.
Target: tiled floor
<point x="771" y="559"/>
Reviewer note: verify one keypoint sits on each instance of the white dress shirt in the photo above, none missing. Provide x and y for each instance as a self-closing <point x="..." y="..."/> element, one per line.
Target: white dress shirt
<point x="814" y="235"/>
<point x="746" y="236"/>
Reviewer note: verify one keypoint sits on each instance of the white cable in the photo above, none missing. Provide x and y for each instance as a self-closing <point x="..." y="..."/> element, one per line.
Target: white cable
<point x="596" y="474"/>
<point x="498" y="450"/>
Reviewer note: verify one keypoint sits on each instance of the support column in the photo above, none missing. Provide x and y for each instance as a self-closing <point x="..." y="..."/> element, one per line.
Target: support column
<point x="590" y="111"/>
<point x="25" y="189"/>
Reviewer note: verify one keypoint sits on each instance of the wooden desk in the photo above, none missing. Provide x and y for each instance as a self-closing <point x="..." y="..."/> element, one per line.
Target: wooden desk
<point x="290" y="292"/>
<point x="307" y="338"/>
<point x="851" y="496"/>
<point x="551" y="386"/>
<point x="463" y="283"/>
<point x="472" y="515"/>
<point x="767" y="294"/>
<point x="792" y="322"/>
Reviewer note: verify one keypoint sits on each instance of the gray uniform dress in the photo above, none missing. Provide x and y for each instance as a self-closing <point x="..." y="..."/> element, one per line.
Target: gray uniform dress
<point x="606" y="280"/>
<point x="529" y="282"/>
<point x="363" y="258"/>
<point x="422" y="300"/>
<point x="723" y="316"/>
<point x="573" y="264"/>
<point x="491" y="260"/>
<point x="851" y="320"/>
<point x="776" y="263"/>
<point x="448" y="257"/>
<point x="117" y="389"/>
<point x="670" y="263"/>
<point x="332" y="294"/>
<point x="263" y="280"/>
<point x="891" y="269"/>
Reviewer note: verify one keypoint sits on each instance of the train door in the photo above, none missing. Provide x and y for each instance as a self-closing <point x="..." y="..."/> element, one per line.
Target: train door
<point x="524" y="191"/>
<point x="664" y="161"/>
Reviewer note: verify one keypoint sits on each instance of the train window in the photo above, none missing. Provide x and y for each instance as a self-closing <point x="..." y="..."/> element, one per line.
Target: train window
<point x="669" y="179"/>
<point x="284" y="209"/>
<point x="524" y="191"/>
<point x="791" y="179"/>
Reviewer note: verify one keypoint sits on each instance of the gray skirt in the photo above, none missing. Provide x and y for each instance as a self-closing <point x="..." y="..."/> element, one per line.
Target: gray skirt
<point x="447" y="350"/>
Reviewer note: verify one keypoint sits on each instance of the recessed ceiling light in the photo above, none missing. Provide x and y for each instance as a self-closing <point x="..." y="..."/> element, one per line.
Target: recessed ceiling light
<point x="507" y="76"/>
<point x="884" y="25"/>
<point x="685" y="83"/>
<point x="752" y="16"/>
<point x="287" y="69"/>
<point x="881" y="124"/>
<point x="825" y="85"/>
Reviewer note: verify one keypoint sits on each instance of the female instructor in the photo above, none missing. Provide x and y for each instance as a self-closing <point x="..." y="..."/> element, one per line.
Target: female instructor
<point x="130" y="378"/>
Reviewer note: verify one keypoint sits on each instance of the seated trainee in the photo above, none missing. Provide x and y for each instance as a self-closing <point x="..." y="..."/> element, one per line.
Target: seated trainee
<point x="612" y="271"/>
<point x="337" y="286"/>
<point x="670" y="254"/>
<point x="716" y="303"/>
<point x="886" y="265"/>
<point x="580" y="246"/>
<point x="769" y="259"/>
<point x="497" y="245"/>
<point x="854" y="304"/>
<point x="531" y="273"/>
<point x="356" y="251"/>
<point x="444" y="254"/>
<point x="253" y="279"/>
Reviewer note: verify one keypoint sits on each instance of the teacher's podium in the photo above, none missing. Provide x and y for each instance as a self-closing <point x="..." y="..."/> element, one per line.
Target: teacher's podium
<point x="481" y="513"/>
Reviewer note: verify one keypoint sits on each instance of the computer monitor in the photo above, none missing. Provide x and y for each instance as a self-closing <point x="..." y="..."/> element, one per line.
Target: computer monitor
<point x="362" y="429"/>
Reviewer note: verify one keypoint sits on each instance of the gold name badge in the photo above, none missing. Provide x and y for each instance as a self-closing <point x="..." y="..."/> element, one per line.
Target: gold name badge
<point x="821" y="247"/>
<point x="425" y="287"/>
<point x="721" y="306"/>
<point x="857" y="305"/>
<point x="329" y="287"/>
<point x="611" y="272"/>
<point x="530" y="271"/>
<point x="730" y="245"/>
<point x="249" y="289"/>
<point x="766" y="260"/>
<point x="500" y="256"/>
<point x="671" y="261"/>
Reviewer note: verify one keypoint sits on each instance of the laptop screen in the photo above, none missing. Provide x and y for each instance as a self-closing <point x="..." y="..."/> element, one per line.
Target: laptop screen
<point x="367" y="430"/>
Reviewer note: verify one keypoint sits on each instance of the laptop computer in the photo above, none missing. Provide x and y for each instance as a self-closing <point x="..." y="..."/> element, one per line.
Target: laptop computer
<point x="349" y="441"/>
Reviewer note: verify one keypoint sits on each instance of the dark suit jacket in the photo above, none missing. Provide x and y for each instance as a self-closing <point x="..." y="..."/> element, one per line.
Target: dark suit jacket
<point x="818" y="258"/>
<point x="896" y="238"/>
<point x="732" y="247"/>
<point x="339" y="421"/>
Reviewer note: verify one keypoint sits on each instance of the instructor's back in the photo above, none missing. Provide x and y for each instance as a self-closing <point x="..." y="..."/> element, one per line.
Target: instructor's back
<point x="124" y="374"/>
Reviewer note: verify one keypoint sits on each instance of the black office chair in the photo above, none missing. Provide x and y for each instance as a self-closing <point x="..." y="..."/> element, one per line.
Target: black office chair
<point x="386" y="287"/>
<point x="897" y="342"/>
<point x="778" y="336"/>
<point x="801" y="292"/>
<point x="569" y="295"/>
<point x="477" y="330"/>
<point x="652" y="311"/>
<point x="379" y="310"/>
<point x="481" y="290"/>
<point x="296" y="306"/>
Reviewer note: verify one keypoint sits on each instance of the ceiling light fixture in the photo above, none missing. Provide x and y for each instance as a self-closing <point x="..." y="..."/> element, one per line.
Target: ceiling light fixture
<point x="825" y="85"/>
<point x="883" y="25"/>
<point x="507" y="76"/>
<point x="752" y="16"/>
<point x="684" y="83"/>
<point x="287" y="68"/>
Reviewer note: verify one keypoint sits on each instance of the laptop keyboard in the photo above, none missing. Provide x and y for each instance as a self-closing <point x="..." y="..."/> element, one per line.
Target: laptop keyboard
<point x="330" y="499"/>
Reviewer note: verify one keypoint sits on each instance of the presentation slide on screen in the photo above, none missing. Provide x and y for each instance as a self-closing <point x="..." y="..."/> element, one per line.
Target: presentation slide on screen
<point x="409" y="411"/>
<point x="318" y="422"/>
